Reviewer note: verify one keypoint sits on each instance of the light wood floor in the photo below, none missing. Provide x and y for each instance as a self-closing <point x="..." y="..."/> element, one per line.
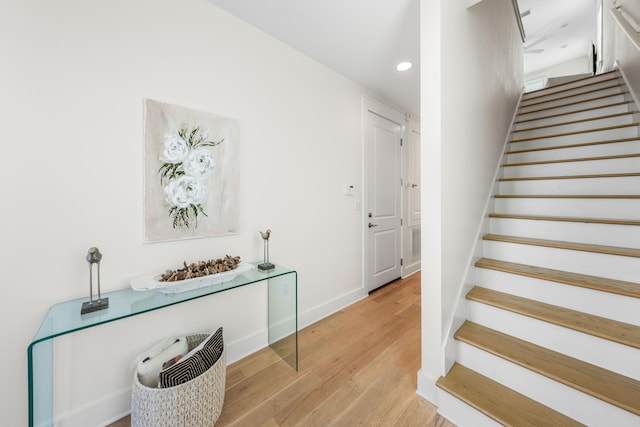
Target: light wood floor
<point x="357" y="367"/>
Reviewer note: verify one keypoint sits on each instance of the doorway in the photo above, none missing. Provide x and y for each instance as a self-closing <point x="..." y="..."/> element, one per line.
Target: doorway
<point x="383" y="130"/>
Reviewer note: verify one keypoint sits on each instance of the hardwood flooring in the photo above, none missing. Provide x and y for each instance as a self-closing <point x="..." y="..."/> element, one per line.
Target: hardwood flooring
<point x="357" y="367"/>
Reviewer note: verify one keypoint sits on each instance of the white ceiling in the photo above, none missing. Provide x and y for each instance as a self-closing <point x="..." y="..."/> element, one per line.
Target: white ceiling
<point x="563" y="29"/>
<point x="363" y="40"/>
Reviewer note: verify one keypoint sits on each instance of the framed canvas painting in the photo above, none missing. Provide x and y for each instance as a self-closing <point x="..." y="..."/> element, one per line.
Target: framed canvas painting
<point x="190" y="173"/>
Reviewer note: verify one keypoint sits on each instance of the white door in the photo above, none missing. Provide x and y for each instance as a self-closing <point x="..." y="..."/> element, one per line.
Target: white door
<point x="383" y="184"/>
<point x="412" y="228"/>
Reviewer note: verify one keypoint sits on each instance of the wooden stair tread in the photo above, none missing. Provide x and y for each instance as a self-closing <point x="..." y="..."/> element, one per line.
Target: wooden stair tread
<point x="542" y="95"/>
<point x="498" y="402"/>
<point x="610" y="221"/>
<point x="568" y="104"/>
<point x="583" y="110"/>
<point x="610" y="116"/>
<point x="577" y="132"/>
<point x="605" y="385"/>
<point x="602" y="175"/>
<point x="574" y="81"/>
<point x="577" y="159"/>
<point x="567" y="196"/>
<point x="601" y="284"/>
<point x="612" y="330"/>
<point x="583" y="144"/>
<point x="585" y="247"/>
<point x="586" y="92"/>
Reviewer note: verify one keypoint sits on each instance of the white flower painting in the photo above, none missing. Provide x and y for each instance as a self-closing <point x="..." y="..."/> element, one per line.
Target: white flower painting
<point x="191" y="173"/>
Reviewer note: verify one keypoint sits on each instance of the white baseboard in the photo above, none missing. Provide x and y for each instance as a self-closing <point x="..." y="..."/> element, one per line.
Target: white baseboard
<point x="99" y="413"/>
<point x="427" y="388"/>
<point x="321" y="311"/>
<point x="118" y="405"/>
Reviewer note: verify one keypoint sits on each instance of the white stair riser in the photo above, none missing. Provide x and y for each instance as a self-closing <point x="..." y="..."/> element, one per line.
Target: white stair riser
<point x="564" y="399"/>
<point x="572" y="92"/>
<point x="604" y="304"/>
<point x="572" y="85"/>
<point x="577" y="98"/>
<point x="586" y="186"/>
<point x="604" y="353"/>
<point x="610" y="149"/>
<point x="579" y="138"/>
<point x="577" y="127"/>
<point x="590" y="263"/>
<point x="461" y="414"/>
<point x="587" y="208"/>
<point x="619" y="165"/>
<point x="626" y="236"/>
<point x="583" y="115"/>
<point x="533" y="113"/>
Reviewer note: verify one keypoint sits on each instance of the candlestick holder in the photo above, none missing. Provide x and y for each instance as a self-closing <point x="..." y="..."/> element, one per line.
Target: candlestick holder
<point x="266" y="265"/>
<point x="93" y="257"/>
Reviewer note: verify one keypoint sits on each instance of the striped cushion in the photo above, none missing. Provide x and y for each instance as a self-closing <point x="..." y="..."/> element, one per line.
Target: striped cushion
<point x="197" y="362"/>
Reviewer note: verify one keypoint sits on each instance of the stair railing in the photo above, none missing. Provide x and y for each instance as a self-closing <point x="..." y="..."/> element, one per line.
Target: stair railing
<point x="628" y="25"/>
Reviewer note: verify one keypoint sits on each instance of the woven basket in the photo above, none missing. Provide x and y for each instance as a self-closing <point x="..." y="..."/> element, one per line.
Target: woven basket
<point x="196" y="403"/>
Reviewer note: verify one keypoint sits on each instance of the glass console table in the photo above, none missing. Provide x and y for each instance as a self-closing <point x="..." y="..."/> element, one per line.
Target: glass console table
<point x="64" y="318"/>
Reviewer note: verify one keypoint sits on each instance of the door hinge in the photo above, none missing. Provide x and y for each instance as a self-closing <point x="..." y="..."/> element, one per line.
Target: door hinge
<point x="401" y="142"/>
<point x="401" y="261"/>
<point x="400" y="182"/>
<point x="400" y="221"/>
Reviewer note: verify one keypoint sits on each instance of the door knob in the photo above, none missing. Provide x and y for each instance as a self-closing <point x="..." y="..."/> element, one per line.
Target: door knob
<point x="372" y="225"/>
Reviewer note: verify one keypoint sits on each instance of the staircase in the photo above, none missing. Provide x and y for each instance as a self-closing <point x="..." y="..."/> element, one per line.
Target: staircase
<point x="552" y="334"/>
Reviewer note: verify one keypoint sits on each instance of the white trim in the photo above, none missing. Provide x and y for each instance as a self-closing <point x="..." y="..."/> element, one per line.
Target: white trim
<point x="427" y="388"/>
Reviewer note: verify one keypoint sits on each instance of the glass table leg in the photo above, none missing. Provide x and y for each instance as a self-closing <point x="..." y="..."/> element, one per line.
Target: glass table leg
<point x="283" y="317"/>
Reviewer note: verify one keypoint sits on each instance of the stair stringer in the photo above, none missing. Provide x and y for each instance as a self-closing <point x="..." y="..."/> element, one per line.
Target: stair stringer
<point x="469" y="277"/>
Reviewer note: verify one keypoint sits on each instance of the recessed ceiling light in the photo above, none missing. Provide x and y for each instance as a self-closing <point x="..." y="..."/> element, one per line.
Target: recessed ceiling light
<point x="404" y="66"/>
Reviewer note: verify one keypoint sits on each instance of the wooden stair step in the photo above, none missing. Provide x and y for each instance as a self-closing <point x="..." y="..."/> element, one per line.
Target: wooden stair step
<point x="601" y="284"/>
<point x="568" y="104"/>
<point x="583" y="110"/>
<point x="585" y="247"/>
<point x="586" y="92"/>
<point x="602" y="175"/>
<point x="577" y="132"/>
<point x="600" y="383"/>
<point x="612" y="330"/>
<point x="567" y="219"/>
<point x="498" y="402"/>
<point x="575" y="81"/>
<point x="577" y="159"/>
<point x="610" y="116"/>
<point x="583" y="144"/>
<point x="567" y="196"/>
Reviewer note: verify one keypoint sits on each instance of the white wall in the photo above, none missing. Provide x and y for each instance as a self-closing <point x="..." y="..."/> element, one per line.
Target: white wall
<point x="571" y="67"/>
<point x="73" y="78"/>
<point x="617" y="46"/>
<point x="471" y="81"/>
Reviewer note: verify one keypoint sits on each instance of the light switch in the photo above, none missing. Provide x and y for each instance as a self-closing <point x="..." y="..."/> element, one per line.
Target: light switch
<point x="349" y="190"/>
